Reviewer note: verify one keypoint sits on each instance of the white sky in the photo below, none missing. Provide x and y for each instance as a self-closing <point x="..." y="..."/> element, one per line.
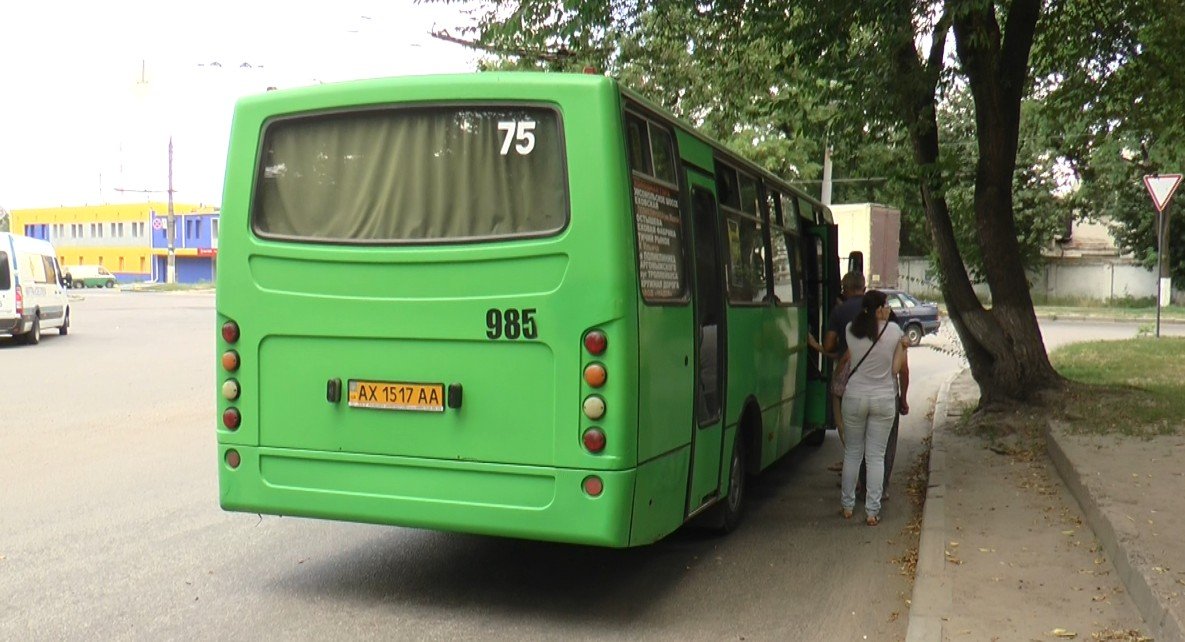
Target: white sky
<point x="76" y="122"/>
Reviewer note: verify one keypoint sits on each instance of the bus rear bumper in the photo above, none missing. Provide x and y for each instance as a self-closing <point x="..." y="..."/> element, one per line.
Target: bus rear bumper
<point x="491" y="499"/>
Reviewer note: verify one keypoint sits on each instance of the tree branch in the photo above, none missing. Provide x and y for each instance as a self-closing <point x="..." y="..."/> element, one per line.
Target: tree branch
<point x="1020" y="29"/>
<point x="559" y="55"/>
<point x="938" y="43"/>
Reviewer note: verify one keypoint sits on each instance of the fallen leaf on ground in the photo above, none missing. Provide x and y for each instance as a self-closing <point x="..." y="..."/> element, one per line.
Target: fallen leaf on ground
<point x="1062" y="633"/>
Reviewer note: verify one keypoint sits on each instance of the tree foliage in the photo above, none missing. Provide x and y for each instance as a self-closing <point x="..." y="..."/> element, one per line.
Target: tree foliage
<point x="1114" y="91"/>
<point x="924" y="96"/>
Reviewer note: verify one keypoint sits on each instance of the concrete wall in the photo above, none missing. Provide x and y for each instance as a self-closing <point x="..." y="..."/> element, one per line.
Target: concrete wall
<point x="1101" y="281"/>
<point x="1059" y="279"/>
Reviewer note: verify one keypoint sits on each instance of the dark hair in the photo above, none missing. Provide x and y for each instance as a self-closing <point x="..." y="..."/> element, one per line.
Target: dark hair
<point x="852" y="283"/>
<point x="865" y="325"/>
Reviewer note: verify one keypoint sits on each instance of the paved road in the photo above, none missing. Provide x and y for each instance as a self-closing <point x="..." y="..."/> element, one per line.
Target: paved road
<point x="110" y="527"/>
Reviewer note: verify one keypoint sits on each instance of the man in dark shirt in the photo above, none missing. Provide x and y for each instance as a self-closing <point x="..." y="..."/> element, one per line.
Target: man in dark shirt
<point x="835" y="342"/>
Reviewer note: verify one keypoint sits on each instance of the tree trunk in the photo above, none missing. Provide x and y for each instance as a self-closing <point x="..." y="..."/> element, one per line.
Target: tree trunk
<point x="1003" y="345"/>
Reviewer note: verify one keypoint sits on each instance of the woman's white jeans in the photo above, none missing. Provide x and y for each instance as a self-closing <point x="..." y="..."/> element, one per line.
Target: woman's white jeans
<point x="867" y="423"/>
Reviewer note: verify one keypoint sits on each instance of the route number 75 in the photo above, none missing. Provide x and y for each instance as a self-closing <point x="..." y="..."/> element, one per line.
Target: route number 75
<point x="522" y="131"/>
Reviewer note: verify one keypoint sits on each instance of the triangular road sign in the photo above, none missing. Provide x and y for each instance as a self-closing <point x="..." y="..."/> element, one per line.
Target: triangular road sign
<point x="1161" y="187"/>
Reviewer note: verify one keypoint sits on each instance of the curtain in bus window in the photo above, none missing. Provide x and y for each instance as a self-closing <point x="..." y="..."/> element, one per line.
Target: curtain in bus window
<point x="414" y="175"/>
<point x="746" y="260"/>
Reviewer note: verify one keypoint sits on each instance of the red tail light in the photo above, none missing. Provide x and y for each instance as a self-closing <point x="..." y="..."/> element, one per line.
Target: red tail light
<point x="596" y="342"/>
<point x="233" y="459"/>
<point x="230" y="331"/>
<point x="594" y="440"/>
<point x="231" y="418"/>
<point x="20" y="301"/>
<point x="592" y="485"/>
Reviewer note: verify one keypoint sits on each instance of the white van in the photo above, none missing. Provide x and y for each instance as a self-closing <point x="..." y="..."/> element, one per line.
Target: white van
<point x="89" y="276"/>
<point x="32" y="295"/>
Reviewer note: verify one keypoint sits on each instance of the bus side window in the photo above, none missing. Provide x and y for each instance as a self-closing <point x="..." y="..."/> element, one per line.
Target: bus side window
<point x="639" y="144"/>
<point x="663" y="154"/>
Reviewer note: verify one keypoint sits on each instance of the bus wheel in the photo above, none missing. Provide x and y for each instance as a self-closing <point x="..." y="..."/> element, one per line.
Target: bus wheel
<point x="815" y="438"/>
<point x="726" y="514"/>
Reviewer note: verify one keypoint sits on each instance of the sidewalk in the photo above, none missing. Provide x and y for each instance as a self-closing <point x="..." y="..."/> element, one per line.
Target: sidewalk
<point x="1031" y="536"/>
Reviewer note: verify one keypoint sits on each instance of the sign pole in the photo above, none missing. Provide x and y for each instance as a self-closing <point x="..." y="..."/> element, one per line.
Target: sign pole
<point x="1161" y="188"/>
<point x="1160" y="216"/>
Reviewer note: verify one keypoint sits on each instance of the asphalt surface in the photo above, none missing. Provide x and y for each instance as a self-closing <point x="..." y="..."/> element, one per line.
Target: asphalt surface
<point x="110" y="526"/>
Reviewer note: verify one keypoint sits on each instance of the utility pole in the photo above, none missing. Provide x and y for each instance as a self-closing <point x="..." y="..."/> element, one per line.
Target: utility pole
<point x="171" y="230"/>
<point x="825" y="196"/>
<point x="170" y="221"/>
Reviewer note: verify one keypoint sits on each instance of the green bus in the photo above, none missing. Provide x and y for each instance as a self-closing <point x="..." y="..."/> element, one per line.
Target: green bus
<point x="515" y="304"/>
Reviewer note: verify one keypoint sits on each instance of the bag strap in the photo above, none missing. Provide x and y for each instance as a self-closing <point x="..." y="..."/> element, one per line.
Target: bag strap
<point x="878" y="338"/>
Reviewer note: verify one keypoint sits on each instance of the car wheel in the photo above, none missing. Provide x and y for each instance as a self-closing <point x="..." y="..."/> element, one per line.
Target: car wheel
<point x="65" y="329"/>
<point x="914" y="332"/>
<point x="33" y="336"/>
<point x="109" y="284"/>
<point x="78" y="285"/>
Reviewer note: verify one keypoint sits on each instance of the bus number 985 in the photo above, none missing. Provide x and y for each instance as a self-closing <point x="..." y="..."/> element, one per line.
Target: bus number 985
<point x="511" y="323"/>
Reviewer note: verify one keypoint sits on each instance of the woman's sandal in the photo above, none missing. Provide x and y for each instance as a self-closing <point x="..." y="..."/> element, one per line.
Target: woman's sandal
<point x="873" y="520"/>
<point x="847" y="514"/>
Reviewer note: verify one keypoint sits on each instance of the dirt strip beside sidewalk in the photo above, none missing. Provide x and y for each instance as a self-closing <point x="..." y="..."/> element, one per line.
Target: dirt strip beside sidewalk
<point x="1132" y="491"/>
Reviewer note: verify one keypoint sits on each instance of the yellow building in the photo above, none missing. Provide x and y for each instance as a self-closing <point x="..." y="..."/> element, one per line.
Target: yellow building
<point x="128" y="239"/>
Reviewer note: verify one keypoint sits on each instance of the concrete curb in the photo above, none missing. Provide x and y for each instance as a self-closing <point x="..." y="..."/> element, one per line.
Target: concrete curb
<point x="1135" y="576"/>
<point x="931" y="601"/>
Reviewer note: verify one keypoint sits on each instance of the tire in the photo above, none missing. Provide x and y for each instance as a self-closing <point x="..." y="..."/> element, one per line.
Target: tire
<point x="65" y="329"/>
<point x="109" y="284"/>
<point x="727" y="513"/>
<point x="914" y="332"/>
<point x="78" y="285"/>
<point x="33" y="336"/>
<point x="815" y="438"/>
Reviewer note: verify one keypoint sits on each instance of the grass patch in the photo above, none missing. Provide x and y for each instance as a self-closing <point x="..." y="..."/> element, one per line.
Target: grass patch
<point x="1121" y="312"/>
<point x="1134" y="387"/>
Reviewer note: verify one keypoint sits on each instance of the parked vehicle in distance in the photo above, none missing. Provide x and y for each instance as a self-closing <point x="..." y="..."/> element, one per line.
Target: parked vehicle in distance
<point x="32" y="288"/>
<point x="90" y="276"/>
<point x="917" y="318"/>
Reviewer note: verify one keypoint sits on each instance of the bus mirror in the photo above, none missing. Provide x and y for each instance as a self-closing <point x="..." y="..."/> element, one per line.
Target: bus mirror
<point x="856" y="262"/>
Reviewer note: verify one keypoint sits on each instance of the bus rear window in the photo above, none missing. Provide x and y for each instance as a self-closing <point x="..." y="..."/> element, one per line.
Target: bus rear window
<point x="413" y="175"/>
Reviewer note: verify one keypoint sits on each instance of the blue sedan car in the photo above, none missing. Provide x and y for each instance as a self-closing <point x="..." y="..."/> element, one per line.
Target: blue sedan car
<point x="916" y="318"/>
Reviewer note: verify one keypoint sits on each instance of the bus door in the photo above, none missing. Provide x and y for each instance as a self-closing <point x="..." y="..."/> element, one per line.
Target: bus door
<point x="822" y="294"/>
<point x="707" y="447"/>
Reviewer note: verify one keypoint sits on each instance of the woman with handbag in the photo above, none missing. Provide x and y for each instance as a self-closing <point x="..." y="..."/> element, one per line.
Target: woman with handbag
<point x="869" y="401"/>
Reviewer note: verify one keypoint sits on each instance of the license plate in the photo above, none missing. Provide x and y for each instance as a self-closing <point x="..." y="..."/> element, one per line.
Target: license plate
<point x="395" y="395"/>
